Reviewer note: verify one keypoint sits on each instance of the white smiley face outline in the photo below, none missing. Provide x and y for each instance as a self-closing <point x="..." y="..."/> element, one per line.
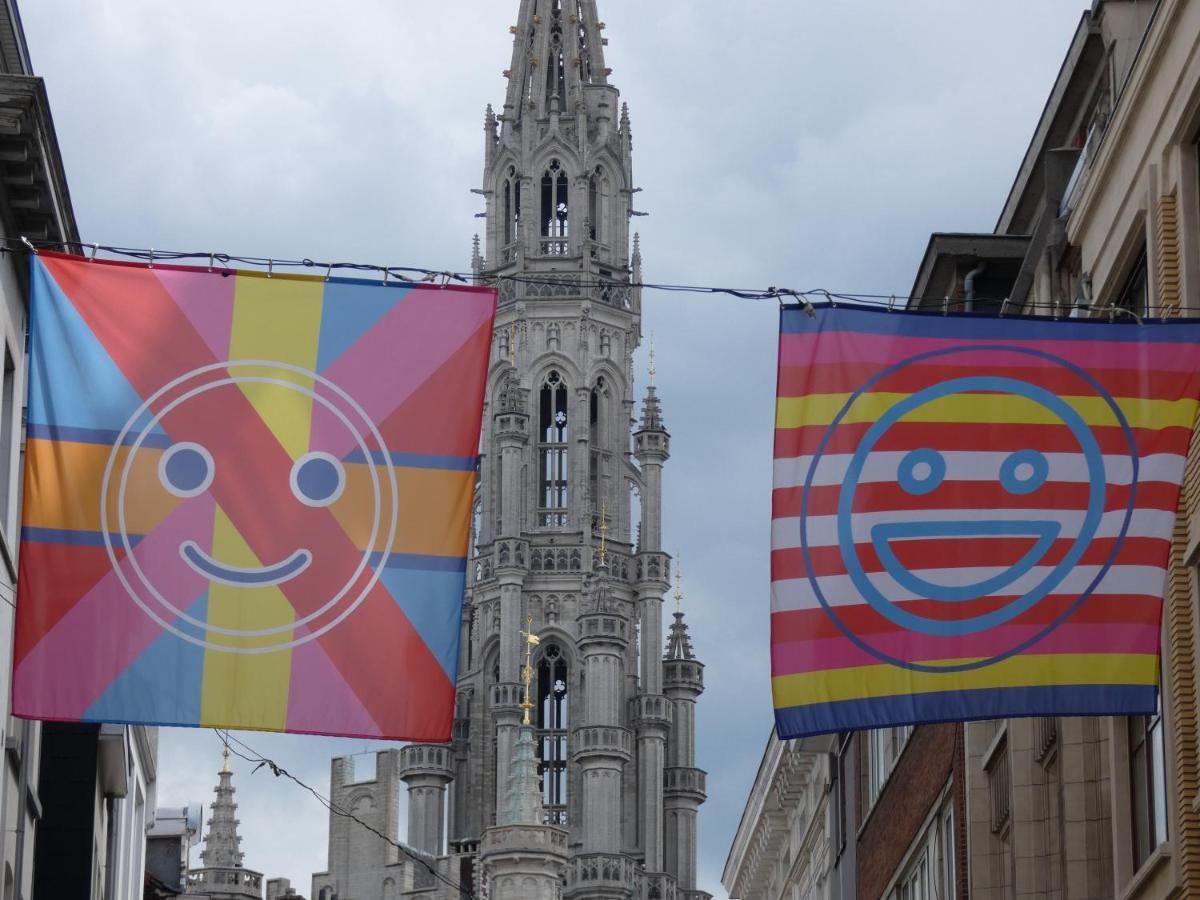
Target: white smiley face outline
<point x="383" y="459"/>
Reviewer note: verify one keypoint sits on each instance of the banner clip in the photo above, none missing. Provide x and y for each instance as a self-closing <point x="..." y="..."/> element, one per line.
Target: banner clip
<point x="28" y="243"/>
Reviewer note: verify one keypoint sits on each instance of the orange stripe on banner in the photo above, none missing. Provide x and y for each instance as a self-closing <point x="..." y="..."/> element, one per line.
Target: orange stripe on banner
<point x="62" y="488"/>
<point x="433" y="509"/>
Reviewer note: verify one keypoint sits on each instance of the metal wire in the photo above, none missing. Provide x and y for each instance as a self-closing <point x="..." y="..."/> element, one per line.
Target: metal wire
<point x="808" y="299"/>
<point x="253" y="756"/>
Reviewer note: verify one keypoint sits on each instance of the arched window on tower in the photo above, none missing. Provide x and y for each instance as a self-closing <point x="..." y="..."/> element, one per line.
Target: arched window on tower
<point x="596" y="448"/>
<point x="555" y="212"/>
<point x="598" y="191"/>
<point x="552" y="451"/>
<point x="552" y="726"/>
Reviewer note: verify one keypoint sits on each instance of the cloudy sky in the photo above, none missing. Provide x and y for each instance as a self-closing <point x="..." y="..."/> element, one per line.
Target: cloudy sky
<point x="781" y="142"/>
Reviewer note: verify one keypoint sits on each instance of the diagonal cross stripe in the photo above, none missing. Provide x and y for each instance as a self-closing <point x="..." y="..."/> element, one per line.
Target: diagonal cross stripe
<point x="259" y="501"/>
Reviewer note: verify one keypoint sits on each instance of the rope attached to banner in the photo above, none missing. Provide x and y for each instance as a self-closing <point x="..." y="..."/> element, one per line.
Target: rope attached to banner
<point x="806" y="299"/>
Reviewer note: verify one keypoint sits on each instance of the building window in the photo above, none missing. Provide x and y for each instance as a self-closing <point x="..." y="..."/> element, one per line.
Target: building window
<point x="597" y="205"/>
<point x="999" y="777"/>
<point x="840" y="810"/>
<point x="930" y="871"/>
<point x="555" y="210"/>
<point x="552" y="725"/>
<point x="552" y="450"/>
<point x="1148" y="785"/>
<point x="1134" y="294"/>
<point x="512" y="205"/>
<point x="597" y="457"/>
<point x="881" y="749"/>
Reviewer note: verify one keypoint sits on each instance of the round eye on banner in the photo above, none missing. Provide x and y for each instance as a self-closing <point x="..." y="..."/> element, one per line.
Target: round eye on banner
<point x="922" y="471"/>
<point x="972" y="485"/>
<point x="186" y="470"/>
<point x="318" y="479"/>
<point x="1024" y="472"/>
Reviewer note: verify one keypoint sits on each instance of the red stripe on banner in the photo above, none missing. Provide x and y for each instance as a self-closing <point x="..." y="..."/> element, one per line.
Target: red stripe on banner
<point x="970" y="553"/>
<point x="885" y="496"/>
<point x="882" y="350"/>
<point x="419" y="424"/>
<point x="846" y="378"/>
<point x="1117" y="609"/>
<point x="128" y="310"/>
<point x="59" y="575"/>
<point x="796" y="657"/>
<point x="804" y="441"/>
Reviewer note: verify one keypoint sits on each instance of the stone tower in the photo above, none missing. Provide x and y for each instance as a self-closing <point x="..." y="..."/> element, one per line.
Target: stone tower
<point x="567" y="542"/>
<point x="222" y="876"/>
<point x="568" y="512"/>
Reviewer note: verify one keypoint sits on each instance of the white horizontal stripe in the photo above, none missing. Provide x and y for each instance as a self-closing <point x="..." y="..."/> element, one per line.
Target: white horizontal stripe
<point x="798" y="593"/>
<point x="822" y="530"/>
<point x="972" y="465"/>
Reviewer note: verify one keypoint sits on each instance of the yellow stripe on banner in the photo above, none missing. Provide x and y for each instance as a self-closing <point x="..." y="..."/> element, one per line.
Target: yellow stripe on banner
<point x="1046" y="670"/>
<point x="279" y="319"/>
<point x="984" y="409"/>
<point x="248" y="688"/>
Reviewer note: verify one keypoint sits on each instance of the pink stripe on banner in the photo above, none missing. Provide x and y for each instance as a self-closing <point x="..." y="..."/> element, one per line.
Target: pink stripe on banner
<point x="431" y="325"/>
<point x="852" y="347"/>
<point x="108" y="618"/>
<point x="207" y="301"/>
<point x="320" y="700"/>
<point x="798" y="657"/>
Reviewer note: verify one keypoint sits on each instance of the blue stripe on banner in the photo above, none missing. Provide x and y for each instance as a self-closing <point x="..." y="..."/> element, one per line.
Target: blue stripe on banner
<point x="422" y="563"/>
<point x="418" y="460"/>
<point x="432" y="602"/>
<point x="966" y="705"/>
<point x="64" y="536"/>
<point x="395" y="560"/>
<point x="37" y="430"/>
<point x="975" y="326"/>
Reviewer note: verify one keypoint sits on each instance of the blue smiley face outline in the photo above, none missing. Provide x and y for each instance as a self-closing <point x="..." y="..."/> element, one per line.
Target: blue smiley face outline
<point x="927" y="482"/>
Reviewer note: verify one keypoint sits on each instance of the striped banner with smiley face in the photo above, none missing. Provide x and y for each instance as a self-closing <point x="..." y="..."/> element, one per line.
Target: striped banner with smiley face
<point x="247" y="498"/>
<point x="972" y="516"/>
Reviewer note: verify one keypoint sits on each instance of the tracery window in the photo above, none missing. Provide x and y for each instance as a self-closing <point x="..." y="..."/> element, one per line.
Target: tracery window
<point x="555" y="210"/>
<point x="552" y="451"/>
<point x="512" y="205"/>
<point x="598" y="191"/>
<point x="552" y="725"/>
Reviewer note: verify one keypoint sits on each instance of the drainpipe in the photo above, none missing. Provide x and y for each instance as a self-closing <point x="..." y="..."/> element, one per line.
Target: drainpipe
<point x="969" y="286"/>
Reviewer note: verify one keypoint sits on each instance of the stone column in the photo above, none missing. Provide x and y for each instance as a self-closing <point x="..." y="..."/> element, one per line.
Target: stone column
<point x="601" y="744"/>
<point x="427" y="769"/>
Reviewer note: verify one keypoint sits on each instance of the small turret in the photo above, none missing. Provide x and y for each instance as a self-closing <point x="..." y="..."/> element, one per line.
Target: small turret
<point x="222" y="876"/>
<point x="685" y="785"/>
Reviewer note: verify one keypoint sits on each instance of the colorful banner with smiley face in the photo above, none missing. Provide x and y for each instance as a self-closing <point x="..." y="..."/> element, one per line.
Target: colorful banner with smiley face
<point x="972" y="516"/>
<point x="247" y="498"/>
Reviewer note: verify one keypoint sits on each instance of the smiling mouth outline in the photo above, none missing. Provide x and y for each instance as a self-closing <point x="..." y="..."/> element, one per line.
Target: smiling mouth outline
<point x="883" y="534"/>
<point x="237" y="576"/>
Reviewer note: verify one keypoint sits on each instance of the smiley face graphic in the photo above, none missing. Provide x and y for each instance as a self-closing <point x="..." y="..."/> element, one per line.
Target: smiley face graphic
<point x="324" y="557"/>
<point x="951" y="541"/>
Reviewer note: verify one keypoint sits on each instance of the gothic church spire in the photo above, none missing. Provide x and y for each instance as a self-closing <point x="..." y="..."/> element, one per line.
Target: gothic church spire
<point x="558" y="50"/>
